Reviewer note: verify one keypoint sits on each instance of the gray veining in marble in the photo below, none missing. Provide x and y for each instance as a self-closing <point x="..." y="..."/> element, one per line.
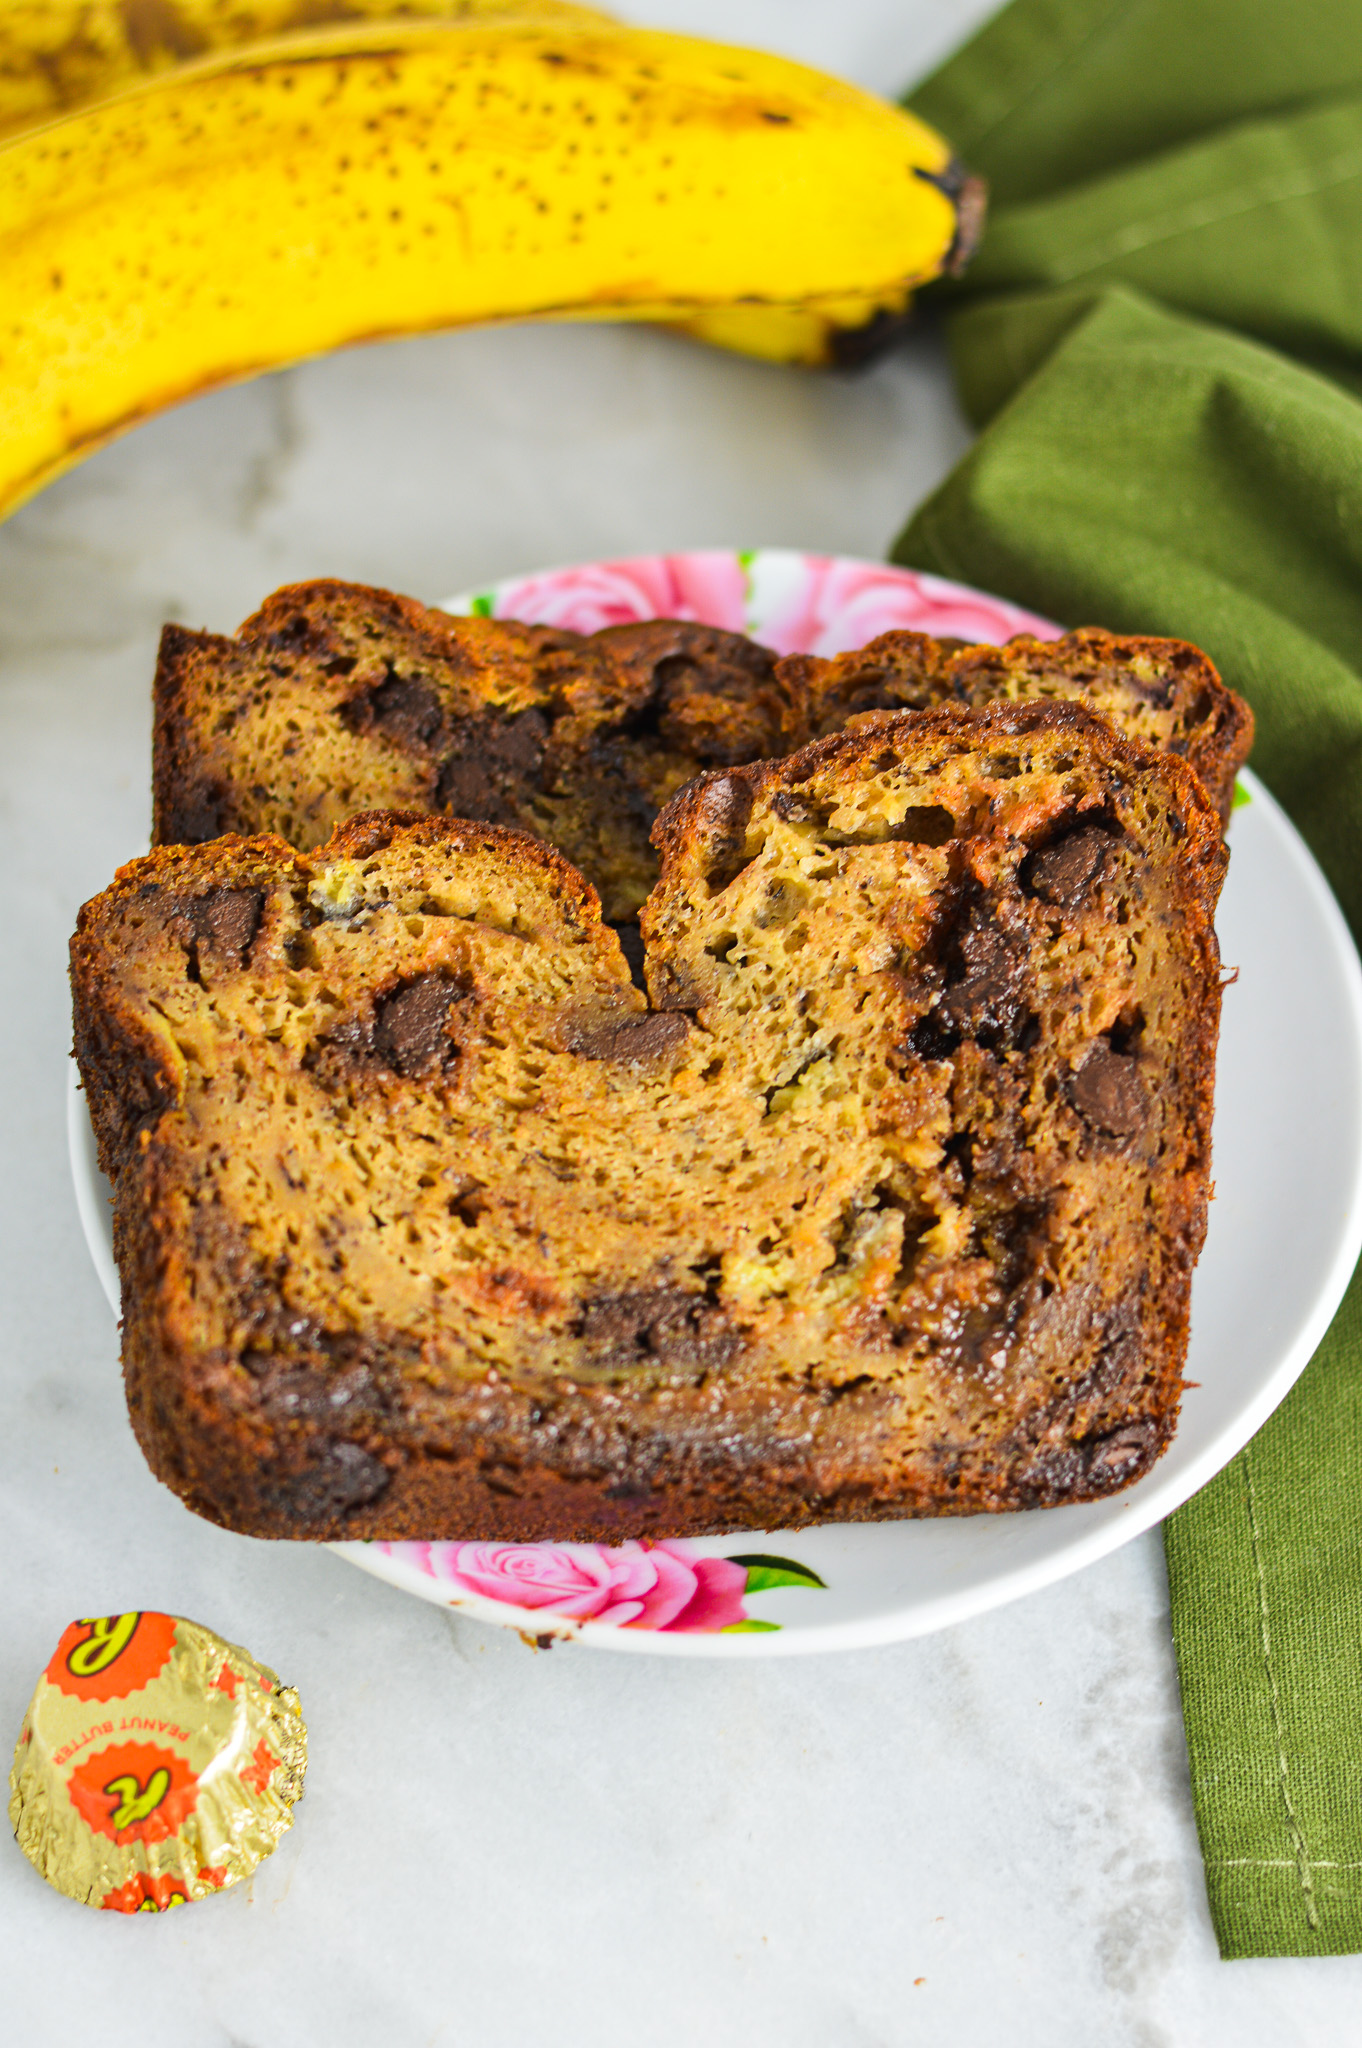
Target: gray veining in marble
<point x="982" y="1838"/>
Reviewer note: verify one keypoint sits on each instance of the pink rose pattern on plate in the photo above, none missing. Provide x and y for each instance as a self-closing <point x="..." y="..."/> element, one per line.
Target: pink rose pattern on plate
<point x="710" y="587"/>
<point x="825" y="605"/>
<point x="838" y="604"/>
<point x="665" y="1586"/>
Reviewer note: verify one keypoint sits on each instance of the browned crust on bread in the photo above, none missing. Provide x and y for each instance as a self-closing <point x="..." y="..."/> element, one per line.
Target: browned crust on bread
<point x="616" y="1362"/>
<point x="1164" y="692"/>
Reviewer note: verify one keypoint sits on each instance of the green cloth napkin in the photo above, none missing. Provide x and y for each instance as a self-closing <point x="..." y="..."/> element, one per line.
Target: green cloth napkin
<point x="1053" y="91"/>
<point x="1162" y="339"/>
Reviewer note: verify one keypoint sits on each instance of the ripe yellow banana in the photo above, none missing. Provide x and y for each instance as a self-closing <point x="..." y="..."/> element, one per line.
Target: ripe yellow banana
<point x="257" y="207"/>
<point x="56" y="55"/>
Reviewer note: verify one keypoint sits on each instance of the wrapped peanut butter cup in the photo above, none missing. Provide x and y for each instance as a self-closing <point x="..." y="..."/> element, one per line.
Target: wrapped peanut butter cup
<point x="157" y="1763"/>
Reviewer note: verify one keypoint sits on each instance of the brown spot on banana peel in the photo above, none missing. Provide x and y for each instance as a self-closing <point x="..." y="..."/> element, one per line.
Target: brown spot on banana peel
<point x="155" y="26"/>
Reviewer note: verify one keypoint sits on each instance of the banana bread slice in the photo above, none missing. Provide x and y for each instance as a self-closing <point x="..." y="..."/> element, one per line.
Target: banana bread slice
<point x="335" y="698"/>
<point x="431" y="1225"/>
<point x="1163" y="691"/>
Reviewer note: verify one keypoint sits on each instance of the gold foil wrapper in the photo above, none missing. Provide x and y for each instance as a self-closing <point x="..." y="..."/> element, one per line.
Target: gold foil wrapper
<point x="156" y="1764"/>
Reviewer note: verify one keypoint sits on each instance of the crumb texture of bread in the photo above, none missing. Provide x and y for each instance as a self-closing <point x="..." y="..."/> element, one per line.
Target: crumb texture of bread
<point x="884" y="1201"/>
<point x="335" y="699"/>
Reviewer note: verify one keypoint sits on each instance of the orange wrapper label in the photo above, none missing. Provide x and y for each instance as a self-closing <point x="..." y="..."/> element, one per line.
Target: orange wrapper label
<point x="157" y="1763"/>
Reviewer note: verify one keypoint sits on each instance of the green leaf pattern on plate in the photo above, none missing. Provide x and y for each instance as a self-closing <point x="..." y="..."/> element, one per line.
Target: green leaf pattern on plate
<point x="764" y="1573"/>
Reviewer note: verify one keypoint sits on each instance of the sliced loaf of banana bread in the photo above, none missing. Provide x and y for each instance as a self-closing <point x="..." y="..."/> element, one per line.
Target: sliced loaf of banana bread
<point x="884" y="1203"/>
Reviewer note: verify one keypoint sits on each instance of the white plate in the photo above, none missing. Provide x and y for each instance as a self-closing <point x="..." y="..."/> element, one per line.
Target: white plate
<point x="1285" y="1229"/>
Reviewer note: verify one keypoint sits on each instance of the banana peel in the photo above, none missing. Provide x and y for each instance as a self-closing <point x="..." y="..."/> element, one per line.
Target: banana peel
<point x="843" y="332"/>
<point x="56" y="55"/>
<point x="256" y="207"/>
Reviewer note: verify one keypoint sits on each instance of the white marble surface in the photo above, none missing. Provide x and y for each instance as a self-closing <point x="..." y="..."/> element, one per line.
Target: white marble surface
<point x="981" y="1838"/>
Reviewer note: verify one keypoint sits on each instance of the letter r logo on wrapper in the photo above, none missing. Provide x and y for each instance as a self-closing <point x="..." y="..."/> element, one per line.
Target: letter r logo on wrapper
<point x="112" y="1657"/>
<point x="136" y="1802"/>
<point x="133" y="1792"/>
<point x="107" y="1639"/>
